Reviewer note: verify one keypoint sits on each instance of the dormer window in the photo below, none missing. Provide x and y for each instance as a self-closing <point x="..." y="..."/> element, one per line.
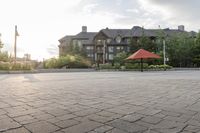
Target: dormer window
<point x="118" y="39"/>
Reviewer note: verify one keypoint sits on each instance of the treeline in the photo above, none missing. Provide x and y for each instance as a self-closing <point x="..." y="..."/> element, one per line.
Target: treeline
<point x="182" y="50"/>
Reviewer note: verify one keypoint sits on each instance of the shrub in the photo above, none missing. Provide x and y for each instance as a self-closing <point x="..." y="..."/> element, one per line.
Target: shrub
<point x="135" y="65"/>
<point x="106" y="66"/>
<point x="4" y="56"/>
<point x="161" y="67"/>
<point x="117" y="66"/>
<point x="68" y="61"/>
<point x="15" y="66"/>
<point x="4" y="65"/>
<point x="120" y="58"/>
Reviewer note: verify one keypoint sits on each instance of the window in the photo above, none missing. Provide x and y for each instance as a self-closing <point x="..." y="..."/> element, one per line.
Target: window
<point x="79" y="43"/>
<point x="110" y="56"/>
<point x="118" y="47"/>
<point x="99" y="42"/>
<point x="90" y="55"/>
<point x="128" y="40"/>
<point x="89" y="47"/>
<point x="118" y="39"/>
<point x="74" y="42"/>
<point x="108" y="40"/>
<point x="110" y="49"/>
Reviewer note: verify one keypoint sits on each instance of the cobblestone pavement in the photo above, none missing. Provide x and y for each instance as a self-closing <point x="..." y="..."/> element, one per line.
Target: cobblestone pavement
<point x="101" y="102"/>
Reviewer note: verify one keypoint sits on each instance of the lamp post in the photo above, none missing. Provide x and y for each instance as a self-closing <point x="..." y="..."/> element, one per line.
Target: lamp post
<point x="164" y="53"/>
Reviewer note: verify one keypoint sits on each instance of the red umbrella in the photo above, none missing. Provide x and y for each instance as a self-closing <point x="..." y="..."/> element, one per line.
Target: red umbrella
<point x="142" y="54"/>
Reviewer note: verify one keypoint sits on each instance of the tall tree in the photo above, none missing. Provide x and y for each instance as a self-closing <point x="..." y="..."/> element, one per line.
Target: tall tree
<point x="196" y="51"/>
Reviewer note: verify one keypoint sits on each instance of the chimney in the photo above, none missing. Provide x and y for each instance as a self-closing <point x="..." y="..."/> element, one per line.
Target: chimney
<point x="181" y="28"/>
<point x="84" y="29"/>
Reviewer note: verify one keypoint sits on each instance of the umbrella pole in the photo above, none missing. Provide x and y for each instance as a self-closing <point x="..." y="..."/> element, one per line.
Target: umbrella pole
<point x="141" y="64"/>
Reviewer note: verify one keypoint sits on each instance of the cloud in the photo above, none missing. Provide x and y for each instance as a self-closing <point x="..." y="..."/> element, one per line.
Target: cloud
<point x="176" y="12"/>
<point x="147" y="13"/>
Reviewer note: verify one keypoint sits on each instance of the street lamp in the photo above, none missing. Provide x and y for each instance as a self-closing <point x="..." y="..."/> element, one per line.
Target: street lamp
<point x="164" y="53"/>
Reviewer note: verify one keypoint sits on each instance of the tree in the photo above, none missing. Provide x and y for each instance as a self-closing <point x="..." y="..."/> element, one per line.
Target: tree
<point x="144" y="42"/>
<point x="180" y="50"/>
<point x="196" y="51"/>
<point x="1" y="44"/>
<point x="120" y="58"/>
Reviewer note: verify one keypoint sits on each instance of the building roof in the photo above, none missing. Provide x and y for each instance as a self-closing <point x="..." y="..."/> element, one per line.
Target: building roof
<point x="66" y="38"/>
<point x="112" y="33"/>
<point x="86" y="36"/>
<point x="138" y="31"/>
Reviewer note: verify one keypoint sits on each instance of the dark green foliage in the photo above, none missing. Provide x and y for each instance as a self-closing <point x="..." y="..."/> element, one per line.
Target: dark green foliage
<point x="135" y="65"/>
<point x="120" y="58"/>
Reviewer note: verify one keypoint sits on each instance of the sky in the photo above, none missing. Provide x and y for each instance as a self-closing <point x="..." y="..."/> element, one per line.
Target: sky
<point x="41" y="23"/>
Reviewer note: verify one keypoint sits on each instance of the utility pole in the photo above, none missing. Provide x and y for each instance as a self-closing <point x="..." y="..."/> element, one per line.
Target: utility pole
<point x="15" y="43"/>
<point x="164" y="54"/>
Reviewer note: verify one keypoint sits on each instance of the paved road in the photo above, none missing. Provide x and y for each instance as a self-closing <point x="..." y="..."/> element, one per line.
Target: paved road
<point x="101" y="102"/>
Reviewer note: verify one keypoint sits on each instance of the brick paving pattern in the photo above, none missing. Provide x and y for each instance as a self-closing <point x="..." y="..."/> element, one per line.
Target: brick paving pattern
<point x="100" y="102"/>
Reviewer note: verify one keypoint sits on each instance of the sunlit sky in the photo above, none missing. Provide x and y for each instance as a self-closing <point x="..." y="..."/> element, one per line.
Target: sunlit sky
<point x="42" y="22"/>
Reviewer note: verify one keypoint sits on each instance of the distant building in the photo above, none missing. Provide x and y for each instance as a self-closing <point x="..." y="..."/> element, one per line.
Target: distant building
<point x="83" y="40"/>
<point x="102" y="46"/>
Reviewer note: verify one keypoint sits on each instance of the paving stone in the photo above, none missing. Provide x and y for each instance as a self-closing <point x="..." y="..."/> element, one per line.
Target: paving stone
<point x="125" y="109"/>
<point x="191" y="128"/>
<point x="2" y="112"/>
<point x="83" y="127"/>
<point x="18" y="130"/>
<point x="58" y="112"/>
<point x="99" y="118"/>
<point x="3" y="116"/>
<point x="132" y="117"/>
<point x="66" y="117"/>
<point x="66" y="123"/>
<point x="193" y="122"/>
<point x="100" y="98"/>
<point x="145" y="124"/>
<point x="171" y="113"/>
<point x="149" y="111"/>
<point x="25" y="119"/>
<point x="103" y="129"/>
<point x="116" y="131"/>
<point x="178" y="119"/>
<point x="127" y="126"/>
<point x="41" y="127"/>
<point x="169" y="126"/>
<point x="160" y="115"/>
<point x="151" y="119"/>
<point x="7" y="123"/>
<point x="44" y="116"/>
<point x="22" y="113"/>
<point x="86" y="112"/>
<point x="109" y="115"/>
<point x="150" y="131"/>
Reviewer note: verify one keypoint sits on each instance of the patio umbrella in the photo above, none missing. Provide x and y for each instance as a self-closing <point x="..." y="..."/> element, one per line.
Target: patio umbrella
<point x="142" y="54"/>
